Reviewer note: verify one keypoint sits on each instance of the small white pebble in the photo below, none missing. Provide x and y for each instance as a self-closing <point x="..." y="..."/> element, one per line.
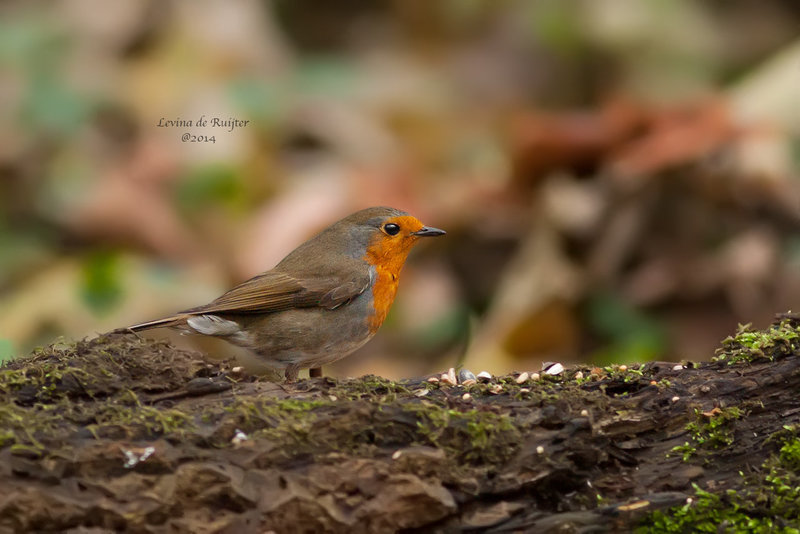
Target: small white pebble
<point x="132" y="458"/>
<point x="422" y="392"/>
<point x="584" y="413"/>
<point x="445" y="378"/>
<point x="578" y="375"/>
<point x="333" y="398"/>
<point x="236" y="370"/>
<point x="623" y="368"/>
<point x="239" y="437"/>
<point x="466" y="396"/>
<point x="469" y="382"/>
<point x="675" y="398"/>
<point x="555" y="369"/>
<point x="524" y="390"/>
<point x="484" y="375"/>
<point x="496" y="389"/>
<point x="397" y="454"/>
<point x="678" y="367"/>
<point x="535" y="376"/>
<point x="451" y="374"/>
<point x="433" y="380"/>
<point x="539" y="450"/>
<point x="523" y="377"/>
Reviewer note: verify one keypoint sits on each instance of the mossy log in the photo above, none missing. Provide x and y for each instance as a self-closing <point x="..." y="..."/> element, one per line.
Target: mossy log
<point x="123" y="434"/>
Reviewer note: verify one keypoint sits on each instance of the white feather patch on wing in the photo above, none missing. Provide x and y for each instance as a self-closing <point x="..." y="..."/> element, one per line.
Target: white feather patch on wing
<point x="213" y="325"/>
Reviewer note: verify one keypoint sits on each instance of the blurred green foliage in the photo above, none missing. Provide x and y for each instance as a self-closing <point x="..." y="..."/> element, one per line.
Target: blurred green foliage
<point x="6" y="350"/>
<point x="38" y="50"/>
<point x="209" y="186"/>
<point x="19" y="249"/>
<point x="101" y="289"/>
<point x="554" y="23"/>
<point x="479" y="115"/>
<point x="259" y="99"/>
<point x="630" y="335"/>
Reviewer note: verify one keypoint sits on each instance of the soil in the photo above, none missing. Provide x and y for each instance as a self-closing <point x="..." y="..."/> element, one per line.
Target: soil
<point x="120" y="433"/>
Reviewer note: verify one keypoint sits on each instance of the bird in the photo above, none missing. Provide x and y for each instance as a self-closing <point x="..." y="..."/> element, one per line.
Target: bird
<point x="324" y="300"/>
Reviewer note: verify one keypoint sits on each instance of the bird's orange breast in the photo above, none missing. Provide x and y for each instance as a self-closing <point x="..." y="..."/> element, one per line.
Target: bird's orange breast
<point x="384" y="290"/>
<point x="388" y="256"/>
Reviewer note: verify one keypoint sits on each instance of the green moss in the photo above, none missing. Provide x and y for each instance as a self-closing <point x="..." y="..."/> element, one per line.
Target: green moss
<point x="370" y="386"/>
<point x="21" y="426"/>
<point x="141" y="419"/>
<point x="686" y="451"/>
<point x="290" y="422"/>
<point x="706" y="513"/>
<point x="470" y="436"/>
<point x="64" y="388"/>
<point x="7" y="437"/>
<point x="366" y="428"/>
<point x="766" y="502"/>
<point x="749" y="345"/>
<point x="30" y="451"/>
<point x="710" y="431"/>
<point x="633" y="374"/>
<point x="715" y="432"/>
<point x="790" y="455"/>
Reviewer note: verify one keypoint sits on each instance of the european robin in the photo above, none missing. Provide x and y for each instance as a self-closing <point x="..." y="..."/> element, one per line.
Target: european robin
<point x="321" y="302"/>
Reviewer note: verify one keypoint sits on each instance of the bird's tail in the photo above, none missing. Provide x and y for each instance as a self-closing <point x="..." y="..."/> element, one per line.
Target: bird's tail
<point x="173" y="321"/>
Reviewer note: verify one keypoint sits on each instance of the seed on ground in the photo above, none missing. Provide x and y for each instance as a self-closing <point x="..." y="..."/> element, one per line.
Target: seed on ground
<point x="554" y="369"/>
<point x="484" y="376"/>
<point x="464" y="375"/>
<point x="451" y="374"/>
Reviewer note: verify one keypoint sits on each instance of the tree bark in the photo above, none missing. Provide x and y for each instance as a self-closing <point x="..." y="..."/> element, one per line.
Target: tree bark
<point x="120" y="433"/>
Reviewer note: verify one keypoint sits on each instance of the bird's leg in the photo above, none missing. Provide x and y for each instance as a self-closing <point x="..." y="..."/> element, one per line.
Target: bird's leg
<point x="315" y="372"/>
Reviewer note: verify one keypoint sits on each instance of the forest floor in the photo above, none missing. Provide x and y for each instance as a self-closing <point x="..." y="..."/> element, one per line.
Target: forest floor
<point x="119" y="433"/>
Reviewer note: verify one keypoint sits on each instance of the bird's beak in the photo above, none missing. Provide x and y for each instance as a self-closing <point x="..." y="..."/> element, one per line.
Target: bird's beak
<point x="428" y="231"/>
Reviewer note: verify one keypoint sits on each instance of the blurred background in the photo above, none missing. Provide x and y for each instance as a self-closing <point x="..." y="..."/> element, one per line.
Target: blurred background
<point x="618" y="178"/>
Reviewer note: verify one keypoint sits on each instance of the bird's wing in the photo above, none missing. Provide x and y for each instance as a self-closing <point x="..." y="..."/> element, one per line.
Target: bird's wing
<point x="275" y="291"/>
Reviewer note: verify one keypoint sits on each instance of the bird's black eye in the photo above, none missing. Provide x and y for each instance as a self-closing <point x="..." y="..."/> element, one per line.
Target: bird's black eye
<point x="391" y="228"/>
